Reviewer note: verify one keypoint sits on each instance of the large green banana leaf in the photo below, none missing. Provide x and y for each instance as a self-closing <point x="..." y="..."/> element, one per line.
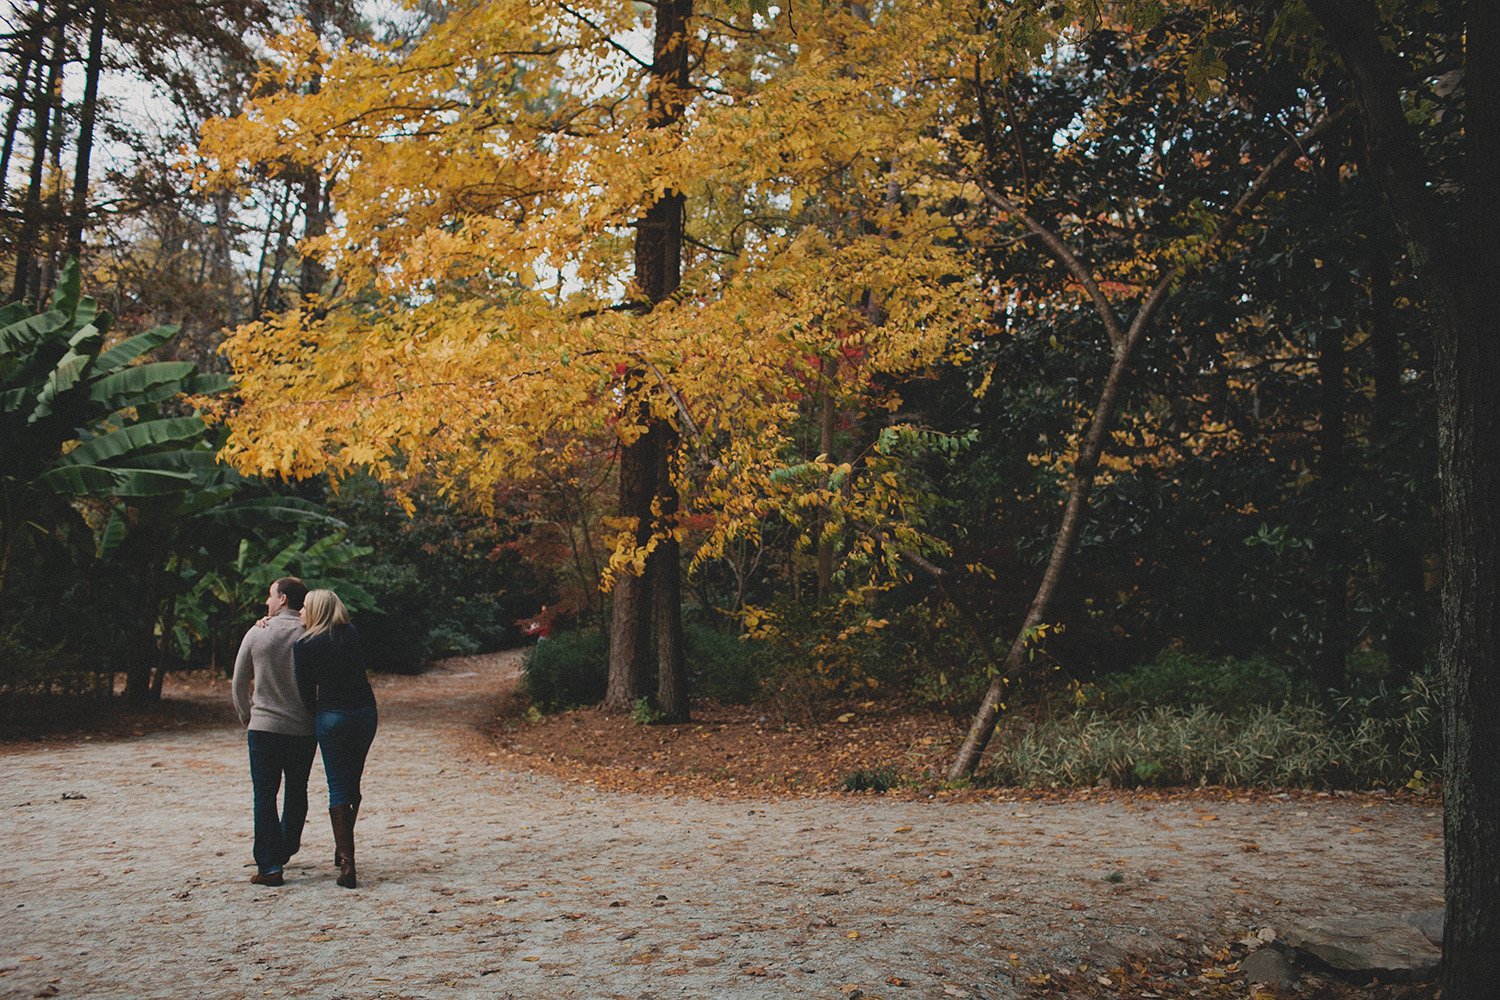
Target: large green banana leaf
<point x="127" y="386"/>
<point x="20" y="336"/>
<point x="96" y="480"/>
<point x="259" y="512"/>
<point x="151" y="434"/>
<point x="131" y="348"/>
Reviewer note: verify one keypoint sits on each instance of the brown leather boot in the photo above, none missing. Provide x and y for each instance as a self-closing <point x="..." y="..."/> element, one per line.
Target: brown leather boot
<point x="338" y="861"/>
<point x="341" y="818"/>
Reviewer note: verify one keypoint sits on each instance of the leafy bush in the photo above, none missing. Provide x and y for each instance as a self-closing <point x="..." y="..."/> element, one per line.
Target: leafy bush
<point x="1184" y="681"/>
<point x="446" y="640"/>
<point x="29" y="670"/>
<point x="642" y="714"/>
<point x="810" y="655"/>
<point x="720" y="667"/>
<point x="879" y="778"/>
<point x="567" y="670"/>
<point x="937" y="657"/>
<point x="460" y="574"/>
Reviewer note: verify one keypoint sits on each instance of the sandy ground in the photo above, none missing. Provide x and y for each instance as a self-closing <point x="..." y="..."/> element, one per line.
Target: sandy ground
<point x="124" y="868"/>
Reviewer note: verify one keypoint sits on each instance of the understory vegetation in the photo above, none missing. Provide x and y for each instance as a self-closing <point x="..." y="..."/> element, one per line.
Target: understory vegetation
<point x="1179" y="720"/>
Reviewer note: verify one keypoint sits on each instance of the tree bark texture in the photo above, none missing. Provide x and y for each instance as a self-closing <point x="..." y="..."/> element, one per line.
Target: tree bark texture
<point x="647" y="493"/>
<point x="630" y="611"/>
<point x="48" y="87"/>
<point x="31" y="52"/>
<point x="671" y="661"/>
<point x="825" y="445"/>
<point x="1454" y="276"/>
<point x="313" y="274"/>
<point x="1333" y="546"/>
<point x="78" y="214"/>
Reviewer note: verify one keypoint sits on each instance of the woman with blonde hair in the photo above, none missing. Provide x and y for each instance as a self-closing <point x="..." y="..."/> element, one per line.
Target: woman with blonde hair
<point x="330" y="666"/>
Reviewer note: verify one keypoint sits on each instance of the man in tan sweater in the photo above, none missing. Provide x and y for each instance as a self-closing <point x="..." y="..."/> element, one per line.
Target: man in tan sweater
<point x="281" y="735"/>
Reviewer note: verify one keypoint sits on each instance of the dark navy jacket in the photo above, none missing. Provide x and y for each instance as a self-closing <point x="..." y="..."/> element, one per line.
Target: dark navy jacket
<point x="331" y="670"/>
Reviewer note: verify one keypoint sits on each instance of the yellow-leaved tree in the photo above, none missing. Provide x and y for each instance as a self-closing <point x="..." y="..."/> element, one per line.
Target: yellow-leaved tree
<point x="553" y="221"/>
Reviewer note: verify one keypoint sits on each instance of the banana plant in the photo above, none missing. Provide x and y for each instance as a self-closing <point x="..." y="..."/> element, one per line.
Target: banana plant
<point x="79" y="421"/>
<point x="100" y="464"/>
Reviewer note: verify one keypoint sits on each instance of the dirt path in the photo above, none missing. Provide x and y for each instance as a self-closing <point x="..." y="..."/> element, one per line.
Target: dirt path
<point x="480" y="881"/>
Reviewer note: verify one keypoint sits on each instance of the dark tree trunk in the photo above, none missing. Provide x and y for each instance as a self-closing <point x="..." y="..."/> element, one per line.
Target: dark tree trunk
<point x="49" y="244"/>
<point x="223" y="251"/>
<point x="658" y="272"/>
<point x="31" y="214"/>
<point x="630" y="623"/>
<point x="1384" y="347"/>
<point x="79" y="213"/>
<point x="31" y="53"/>
<point x="313" y="274"/>
<point x="1333" y="545"/>
<point x="144" y="648"/>
<point x="1401" y="560"/>
<point x="825" y="445"/>
<point x="315" y="224"/>
<point x="671" y="662"/>
<point x="1467" y="335"/>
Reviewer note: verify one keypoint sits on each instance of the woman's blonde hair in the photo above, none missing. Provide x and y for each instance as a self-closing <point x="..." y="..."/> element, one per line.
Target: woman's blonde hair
<point x="323" y="610"/>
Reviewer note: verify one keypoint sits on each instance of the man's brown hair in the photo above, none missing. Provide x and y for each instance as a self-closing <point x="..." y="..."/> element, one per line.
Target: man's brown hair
<point x="293" y="589"/>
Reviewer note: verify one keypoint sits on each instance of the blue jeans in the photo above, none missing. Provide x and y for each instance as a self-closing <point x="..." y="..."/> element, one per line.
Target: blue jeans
<point x="345" y="735"/>
<point x="278" y="835"/>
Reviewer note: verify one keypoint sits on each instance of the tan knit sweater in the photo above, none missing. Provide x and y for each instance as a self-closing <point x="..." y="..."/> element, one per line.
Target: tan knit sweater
<point x="265" y="658"/>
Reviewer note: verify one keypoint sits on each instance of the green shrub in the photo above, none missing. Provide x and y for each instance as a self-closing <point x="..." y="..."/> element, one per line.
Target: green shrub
<point x="567" y="670"/>
<point x="1182" y="680"/>
<point x="720" y="667"/>
<point x="936" y="656"/>
<point x="447" y="640"/>
<point x="879" y="778"/>
<point x="810" y="655"/>
<point x="642" y="714"/>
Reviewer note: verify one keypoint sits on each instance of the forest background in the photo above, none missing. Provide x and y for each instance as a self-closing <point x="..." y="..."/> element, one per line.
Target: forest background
<point x="1074" y="363"/>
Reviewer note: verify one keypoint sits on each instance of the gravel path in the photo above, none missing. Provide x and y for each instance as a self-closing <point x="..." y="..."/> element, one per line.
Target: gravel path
<point x="125" y="870"/>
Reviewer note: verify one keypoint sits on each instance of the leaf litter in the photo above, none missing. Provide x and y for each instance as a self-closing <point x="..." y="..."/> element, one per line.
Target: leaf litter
<point x="555" y="874"/>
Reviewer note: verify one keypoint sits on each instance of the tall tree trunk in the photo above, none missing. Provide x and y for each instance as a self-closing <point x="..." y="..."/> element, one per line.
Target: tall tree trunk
<point x="631" y="607"/>
<point x="54" y="214"/>
<point x="313" y="274"/>
<point x="79" y="213"/>
<point x="1333" y="547"/>
<point x="31" y="52"/>
<point x="1332" y="551"/>
<point x="658" y="272"/>
<point x="143" y="647"/>
<point x="314" y="211"/>
<point x="48" y="86"/>
<point x="1401" y="559"/>
<point x="1456" y="279"/>
<point x="671" y="661"/>
<point x="223" y="257"/>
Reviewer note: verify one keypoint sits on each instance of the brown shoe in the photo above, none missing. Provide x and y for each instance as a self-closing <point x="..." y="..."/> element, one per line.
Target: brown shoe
<point x="268" y="878"/>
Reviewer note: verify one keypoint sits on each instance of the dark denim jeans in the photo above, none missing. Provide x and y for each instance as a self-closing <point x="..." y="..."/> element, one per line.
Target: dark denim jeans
<point x="272" y="757"/>
<point x="345" y="735"/>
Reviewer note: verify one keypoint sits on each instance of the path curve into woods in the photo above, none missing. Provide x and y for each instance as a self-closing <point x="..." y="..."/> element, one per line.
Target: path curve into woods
<point x="476" y="880"/>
